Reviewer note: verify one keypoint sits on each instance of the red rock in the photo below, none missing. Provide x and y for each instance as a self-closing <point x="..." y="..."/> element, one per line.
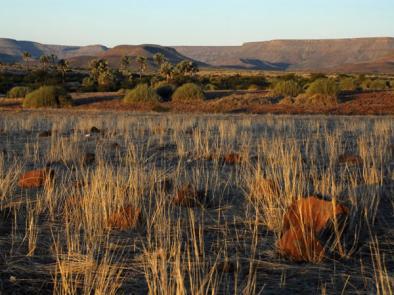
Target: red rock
<point x="350" y="159"/>
<point x="45" y="134"/>
<point x="125" y="218"/>
<point x="89" y="159"/>
<point x="312" y="212"/>
<point x="303" y="222"/>
<point x="189" y="196"/>
<point x="35" y="178"/>
<point x="300" y="244"/>
<point x="232" y="159"/>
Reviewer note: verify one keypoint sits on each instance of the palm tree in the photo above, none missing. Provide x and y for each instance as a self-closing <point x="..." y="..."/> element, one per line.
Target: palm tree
<point x="159" y="59"/>
<point x="26" y="57"/>
<point x="141" y="60"/>
<point x="125" y="62"/>
<point x="166" y="70"/>
<point x="53" y="59"/>
<point x="44" y="60"/>
<point x="64" y="67"/>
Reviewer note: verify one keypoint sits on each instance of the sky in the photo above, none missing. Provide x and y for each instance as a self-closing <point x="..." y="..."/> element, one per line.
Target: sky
<point x="198" y="22"/>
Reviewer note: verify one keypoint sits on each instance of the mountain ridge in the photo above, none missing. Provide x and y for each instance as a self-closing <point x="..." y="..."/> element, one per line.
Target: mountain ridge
<point x="370" y="54"/>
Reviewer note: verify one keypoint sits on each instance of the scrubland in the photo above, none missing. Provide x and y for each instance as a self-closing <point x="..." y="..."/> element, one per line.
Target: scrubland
<point x="178" y="204"/>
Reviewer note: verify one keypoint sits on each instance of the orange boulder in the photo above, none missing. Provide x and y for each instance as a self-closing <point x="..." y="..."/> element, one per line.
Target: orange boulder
<point x="301" y="244"/>
<point x="312" y="212"/>
<point x="35" y="178"/>
<point x="303" y="222"/>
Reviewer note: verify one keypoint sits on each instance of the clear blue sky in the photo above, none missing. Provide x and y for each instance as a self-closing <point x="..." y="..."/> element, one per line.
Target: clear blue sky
<point x="197" y="22"/>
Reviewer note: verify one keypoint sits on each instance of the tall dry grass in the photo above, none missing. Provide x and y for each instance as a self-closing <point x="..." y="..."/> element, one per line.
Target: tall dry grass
<point x="224" y="246"/>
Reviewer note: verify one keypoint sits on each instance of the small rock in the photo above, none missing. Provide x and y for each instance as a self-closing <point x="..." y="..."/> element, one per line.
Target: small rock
<point x="189" y="196"/>
<point x="125" y="218"/>
<point x="89" y="159"/>
<point x="12" y="279"/>
<point x="232" y="158"/>
<point x="350" y="159"/>
<point x="95" y="130"/>
<point x="35" y="178"/>
<point x="44" y="134"/>
<point x="115" y="146"/>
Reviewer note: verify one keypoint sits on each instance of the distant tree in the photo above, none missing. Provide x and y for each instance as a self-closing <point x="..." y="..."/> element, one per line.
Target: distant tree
<point x="101" y="75"/>
<point x="159" y="59"/>
<point x="64" y="67"/>
<point x="53" y="59"/>
<point x="142" y="63"/>
<point x="44" y="60"/>
<point x="26" y="58"/>
<point x="166" y="70"/>
<point x="125" y="66"/>
<point x="186" y="67"/>
<point x="97" y="66"/>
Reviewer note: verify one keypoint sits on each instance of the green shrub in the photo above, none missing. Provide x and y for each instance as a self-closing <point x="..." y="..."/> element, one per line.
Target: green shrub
<point x="327" y="87"/>
<point x="18" y="92"/>
<point x="378" y="85"/>
<point x="188" y="92"/>
<point x="165" y="90"/>
<point x="48" y="96"/>
<point x="348" y="84"/>
<point x="321" y="100"/>
<point x="142" y="93"/>
<point x="287" y="88"/>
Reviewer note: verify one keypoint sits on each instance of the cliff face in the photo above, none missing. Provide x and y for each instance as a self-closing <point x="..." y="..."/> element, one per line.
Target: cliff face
<point x="294" y="54"/>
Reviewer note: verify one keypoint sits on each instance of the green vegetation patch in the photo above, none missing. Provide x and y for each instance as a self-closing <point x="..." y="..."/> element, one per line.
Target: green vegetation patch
<point x="188" y="92"/>
<point x="48" y="96"/>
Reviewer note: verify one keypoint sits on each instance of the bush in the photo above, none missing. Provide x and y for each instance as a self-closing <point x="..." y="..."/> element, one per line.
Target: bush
<point x="348" y="84"/>
<point x="287" y="88"/>
<point x="326" y="87"/>
<point x="188" y="92"/>
<point x="165" y="90"/>
<point x="48" y="96"/>
<point x="378" y="85"/>
<point x="18" y="92"/>
<point x="142" y="93"/>
<point x="321" y="100"/>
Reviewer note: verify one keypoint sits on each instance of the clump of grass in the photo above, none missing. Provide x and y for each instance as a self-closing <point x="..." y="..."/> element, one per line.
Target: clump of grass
<point x="188" y="92"/>
<point x="316" y="100"/>
<point x="141" y="93"/>
<point x="18" y="92"/>
<point x="348" y="84"/>
<point x="378" y="85"/>
<point x="287" y="88"/>
<point x="48" y="96"/>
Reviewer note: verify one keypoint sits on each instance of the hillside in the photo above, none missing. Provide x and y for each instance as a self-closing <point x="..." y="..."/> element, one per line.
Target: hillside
<point x="336" y="55"/>
<point x="115" y="54"/>
<point x="317" y="55"/>
<point x="12" y="50"/>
